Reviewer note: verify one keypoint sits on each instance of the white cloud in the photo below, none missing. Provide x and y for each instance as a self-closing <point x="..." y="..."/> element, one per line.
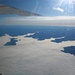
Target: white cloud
<point x="4" y="39"/>
<point x="58" y="20"/>
<point x="33" y="57"/>
<point x="58" y="9"/>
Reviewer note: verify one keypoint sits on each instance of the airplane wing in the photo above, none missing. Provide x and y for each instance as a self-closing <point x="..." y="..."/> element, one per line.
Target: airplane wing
<point x="4" y="9"/>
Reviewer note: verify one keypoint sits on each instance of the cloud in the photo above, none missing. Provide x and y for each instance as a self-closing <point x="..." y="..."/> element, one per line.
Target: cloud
<point x="58" y="9"/>
<point x="32" y="57"/>
<point x="50" y="21"/>
<point x="4" y="39"/>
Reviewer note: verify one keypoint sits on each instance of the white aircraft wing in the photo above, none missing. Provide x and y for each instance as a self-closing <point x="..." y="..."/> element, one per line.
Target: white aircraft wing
<point x="4" y="9"/>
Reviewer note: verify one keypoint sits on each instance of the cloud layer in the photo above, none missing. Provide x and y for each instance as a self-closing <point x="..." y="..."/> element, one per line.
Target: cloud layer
<point x="58" y="21"/>
<point x="32" y="57"/>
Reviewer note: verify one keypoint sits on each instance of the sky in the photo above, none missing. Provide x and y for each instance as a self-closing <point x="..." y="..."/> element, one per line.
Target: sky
<point x="30" y="55"/>
<point x="46" y="8"/>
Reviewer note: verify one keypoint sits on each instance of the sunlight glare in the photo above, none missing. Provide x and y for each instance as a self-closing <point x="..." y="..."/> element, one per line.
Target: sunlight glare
<point x="67" y="5"/>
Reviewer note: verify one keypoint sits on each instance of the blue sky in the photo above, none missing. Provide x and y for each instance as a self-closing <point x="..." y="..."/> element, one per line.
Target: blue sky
<point x="54" y="12"/>
<point x="44" y="7"/>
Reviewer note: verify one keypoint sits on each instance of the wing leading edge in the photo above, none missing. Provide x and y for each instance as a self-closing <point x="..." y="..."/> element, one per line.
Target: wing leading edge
<point x="4" y="9"/>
